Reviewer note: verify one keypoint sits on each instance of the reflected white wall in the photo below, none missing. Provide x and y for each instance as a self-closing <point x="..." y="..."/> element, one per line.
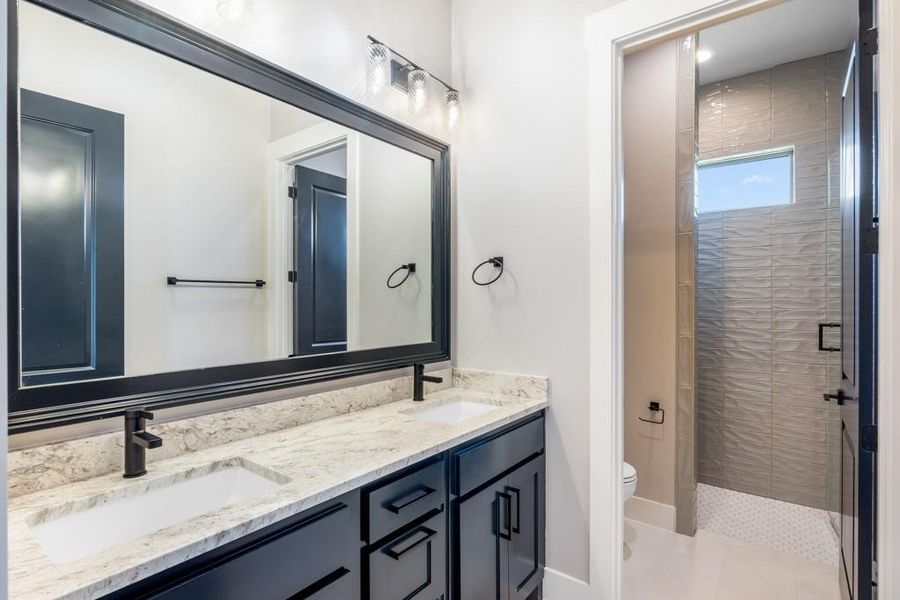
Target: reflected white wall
<point x="325" y="41"/>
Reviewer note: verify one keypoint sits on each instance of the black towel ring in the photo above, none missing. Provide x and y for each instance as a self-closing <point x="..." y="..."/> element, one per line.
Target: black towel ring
<point x="497" y="262"/>
<point x="410" y="269"/>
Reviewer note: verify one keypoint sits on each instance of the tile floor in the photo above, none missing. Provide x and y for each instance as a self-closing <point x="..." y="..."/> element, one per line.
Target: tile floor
<point x="789" y="528"/>
<point x="662" y="565"/>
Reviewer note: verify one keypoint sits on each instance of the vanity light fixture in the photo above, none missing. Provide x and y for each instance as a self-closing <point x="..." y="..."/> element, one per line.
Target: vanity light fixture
<point x="451" y="103"/>
<point x="235" y="11"/>
<point x="379" y="66"/>
<point x="387" y="66"/>
<point x="417" y="86"/>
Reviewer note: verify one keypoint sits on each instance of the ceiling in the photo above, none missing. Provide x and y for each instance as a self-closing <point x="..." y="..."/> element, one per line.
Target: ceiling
<point x="790" y="31"/>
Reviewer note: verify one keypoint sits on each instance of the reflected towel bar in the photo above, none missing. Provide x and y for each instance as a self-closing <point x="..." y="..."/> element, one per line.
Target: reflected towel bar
<point x="175" y="281"/>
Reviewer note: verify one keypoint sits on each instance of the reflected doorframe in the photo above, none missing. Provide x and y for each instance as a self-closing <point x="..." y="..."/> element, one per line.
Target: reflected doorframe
<point x="283" y="154"/>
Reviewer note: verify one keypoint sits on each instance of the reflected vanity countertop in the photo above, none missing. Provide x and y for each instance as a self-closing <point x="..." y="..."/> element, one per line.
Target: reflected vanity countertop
<point x="320" y="461"/>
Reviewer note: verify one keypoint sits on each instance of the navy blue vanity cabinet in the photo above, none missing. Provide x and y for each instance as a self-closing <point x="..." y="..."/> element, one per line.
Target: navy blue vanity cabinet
<point x="314" y="555"/>
<point x="498" y="515"/>
<point x="405" y="526"/>
<point x="466" y="524"/>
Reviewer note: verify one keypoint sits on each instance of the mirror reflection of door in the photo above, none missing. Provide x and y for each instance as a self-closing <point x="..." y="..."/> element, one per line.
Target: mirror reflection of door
<point x="320" y="255"/>
<point x="71" y="194"/>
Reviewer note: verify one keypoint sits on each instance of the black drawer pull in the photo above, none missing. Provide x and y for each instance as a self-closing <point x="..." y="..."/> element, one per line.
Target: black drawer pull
<point x="514" y="509"/>
<point x="504" y="507"/>
<point x="395" y="506"/>
<point x="313" y="589"/>
<point x="418" y="536"/>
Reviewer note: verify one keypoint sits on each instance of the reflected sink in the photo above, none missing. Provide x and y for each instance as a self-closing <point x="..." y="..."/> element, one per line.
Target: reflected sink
<point x="82" y="528"/>
<point x="452" y="411"/>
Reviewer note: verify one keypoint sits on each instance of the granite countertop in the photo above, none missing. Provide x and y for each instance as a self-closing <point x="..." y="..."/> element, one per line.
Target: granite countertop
<point x="319" y="461"/>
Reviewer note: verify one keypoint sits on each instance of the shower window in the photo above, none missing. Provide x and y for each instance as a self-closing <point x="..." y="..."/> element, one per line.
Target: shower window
<point x="746" y="181"/>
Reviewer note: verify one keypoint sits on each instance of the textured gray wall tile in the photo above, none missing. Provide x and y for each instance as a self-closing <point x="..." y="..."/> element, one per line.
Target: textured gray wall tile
<point x="763" y="286"/>
<point x="689" y="238"/>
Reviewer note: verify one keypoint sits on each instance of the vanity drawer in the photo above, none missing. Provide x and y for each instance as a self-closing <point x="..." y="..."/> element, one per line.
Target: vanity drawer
<point x="402" y="499"/>
<point x="488" y="458"/>
<point x="411" y="566"/>
<point x="315" y="558"/>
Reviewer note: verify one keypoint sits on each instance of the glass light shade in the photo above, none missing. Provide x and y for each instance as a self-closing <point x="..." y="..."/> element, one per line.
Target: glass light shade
<point x="451" y="103"/>
<point x="379" y="66"/>
<point x="235" y="11"/>
<point x="417" y="82"/>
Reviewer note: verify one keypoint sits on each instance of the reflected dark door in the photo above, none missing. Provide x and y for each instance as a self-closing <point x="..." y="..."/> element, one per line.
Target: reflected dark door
<point x="320" y="259"/>
<point x="71" y="194"/>
<point x="859" y="263"/>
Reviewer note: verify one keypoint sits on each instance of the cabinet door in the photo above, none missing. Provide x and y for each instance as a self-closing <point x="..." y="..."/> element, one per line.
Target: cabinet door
<point x="481" y="551"/>
<point x="525" y="487"/>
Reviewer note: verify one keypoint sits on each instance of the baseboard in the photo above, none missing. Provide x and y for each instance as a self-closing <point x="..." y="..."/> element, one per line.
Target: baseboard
<point x="650" y="512"/>
<point x="559" y="586"/>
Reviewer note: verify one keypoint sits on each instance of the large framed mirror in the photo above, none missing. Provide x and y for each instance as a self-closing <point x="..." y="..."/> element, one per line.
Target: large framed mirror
<point x="189" y="222"/>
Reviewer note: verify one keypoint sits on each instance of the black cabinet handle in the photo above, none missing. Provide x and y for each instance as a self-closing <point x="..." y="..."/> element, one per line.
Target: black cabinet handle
<point x="504" y="507"/>
<point x="822" y="346"/>
<point x="405" y="544"/>
<point x="514" y="508"/>
<point x="313" y="589"/>
<point x="398" y="504"/>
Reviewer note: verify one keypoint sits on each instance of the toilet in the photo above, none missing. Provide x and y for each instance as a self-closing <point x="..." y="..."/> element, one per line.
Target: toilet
<point x="629" y="481"/>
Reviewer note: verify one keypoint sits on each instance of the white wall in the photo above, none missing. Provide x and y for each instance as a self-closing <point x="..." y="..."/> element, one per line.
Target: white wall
<point x="394" y="225"/>
<point x="325" y="41"/>
<point x="522" y="192"/>
<point x="194" y="187"/>
<point x="3" y="296"/>
<point x="333" y="162"/>
<point x="889" y="284"/>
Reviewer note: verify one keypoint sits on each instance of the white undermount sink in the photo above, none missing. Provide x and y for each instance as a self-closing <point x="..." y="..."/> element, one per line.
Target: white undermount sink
<point x="452" y="411"/>
<point x="86" y="527"/>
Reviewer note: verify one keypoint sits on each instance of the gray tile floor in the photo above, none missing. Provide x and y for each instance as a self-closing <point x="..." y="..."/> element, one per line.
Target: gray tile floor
<point x="789" y="528"/>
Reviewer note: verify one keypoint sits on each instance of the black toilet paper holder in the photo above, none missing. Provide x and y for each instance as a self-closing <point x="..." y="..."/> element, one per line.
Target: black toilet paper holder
<point x="656" y="408"/>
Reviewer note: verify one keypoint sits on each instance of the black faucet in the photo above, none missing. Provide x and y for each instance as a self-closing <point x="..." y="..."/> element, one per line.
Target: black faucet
<point x="137" y="440"/>
<point x="419" y="378"/>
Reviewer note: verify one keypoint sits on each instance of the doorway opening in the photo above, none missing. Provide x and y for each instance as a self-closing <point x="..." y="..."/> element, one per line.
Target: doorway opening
<point x="744" y="274"/>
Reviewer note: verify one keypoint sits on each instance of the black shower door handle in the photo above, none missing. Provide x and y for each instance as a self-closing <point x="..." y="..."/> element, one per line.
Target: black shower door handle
<point x="822" y="346"/>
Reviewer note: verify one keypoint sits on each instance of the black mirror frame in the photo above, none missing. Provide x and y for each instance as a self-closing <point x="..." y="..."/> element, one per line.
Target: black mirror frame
<point x="41" y="407"/>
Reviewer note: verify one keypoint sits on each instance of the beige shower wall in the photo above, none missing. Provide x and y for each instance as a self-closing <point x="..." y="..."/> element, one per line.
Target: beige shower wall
<point x="765" y="278"/>
<point x="649" y="134"/>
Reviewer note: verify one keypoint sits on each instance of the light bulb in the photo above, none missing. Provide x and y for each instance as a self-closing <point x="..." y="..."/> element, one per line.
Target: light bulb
<point x="451" y="102"/>
<point x="417" y="82"/>
<point x="235" y="11"/>
<point x="379" y="63"/>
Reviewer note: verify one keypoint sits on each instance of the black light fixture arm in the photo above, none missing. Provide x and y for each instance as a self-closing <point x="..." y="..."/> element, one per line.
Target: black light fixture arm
<point x="412" y="64"/>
